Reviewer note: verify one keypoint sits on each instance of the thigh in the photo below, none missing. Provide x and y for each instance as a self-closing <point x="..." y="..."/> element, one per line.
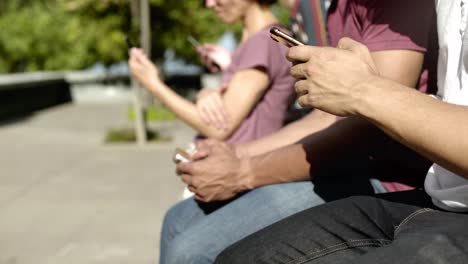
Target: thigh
<point x="249" y="213"/>
<point x="425" y="236"/>
<point x="332" y="233"/>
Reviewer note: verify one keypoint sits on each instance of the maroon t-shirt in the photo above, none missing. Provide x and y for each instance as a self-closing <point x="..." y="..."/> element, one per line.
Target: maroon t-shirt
<point x="268" y="115"/>
<point x="391" y="25"/>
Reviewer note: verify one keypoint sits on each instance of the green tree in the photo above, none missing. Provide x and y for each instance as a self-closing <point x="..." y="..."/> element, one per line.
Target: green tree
<point x="74" y="34"/>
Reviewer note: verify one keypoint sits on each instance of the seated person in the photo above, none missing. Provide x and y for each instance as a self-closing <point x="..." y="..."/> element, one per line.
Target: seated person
<point x="195" y="231"/>
<point x="421" y="226"/>
<point x="258" y="84"/>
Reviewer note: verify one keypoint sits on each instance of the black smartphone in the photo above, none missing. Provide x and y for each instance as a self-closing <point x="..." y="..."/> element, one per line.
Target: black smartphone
<point x="280" y="36"/>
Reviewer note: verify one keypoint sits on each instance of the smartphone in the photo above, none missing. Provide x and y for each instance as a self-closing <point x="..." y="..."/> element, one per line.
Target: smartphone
<point x="194" y="42"/>
<point x="199" y="47"/>
<point x="280" y="36"/>
<point x="181" y="155"/>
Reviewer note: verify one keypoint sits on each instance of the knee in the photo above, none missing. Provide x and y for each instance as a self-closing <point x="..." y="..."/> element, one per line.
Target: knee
<point x="169" y="224"/>
<point x="177" y="218"/>
<point x="183" y="250"/>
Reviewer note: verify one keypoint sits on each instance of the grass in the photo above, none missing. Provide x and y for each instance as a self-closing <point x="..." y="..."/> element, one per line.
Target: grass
<point x="153" y="113"/>
<point x="119" y="135"/>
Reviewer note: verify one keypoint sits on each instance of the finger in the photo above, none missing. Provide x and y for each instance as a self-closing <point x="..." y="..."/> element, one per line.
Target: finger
<point x="200" y="154"/>
<point x="303" y="53"/>
<point x="216" y="109"/>
<point x="350" y="44"/>
<point x="358" y="49"/>
<point x="221" y="108"/>
<point x="203" y="112"/>
<point x="209" y="113"/>
<point x="192" y="188"/>
<point x="187" y="179"/>
<point x="210" y="46"/>
<point x="200" y="198"/>
<point x="301" y="88"/>
<point x="299" y="71"/>
<point x="354" y="47"/>
<point x="212" y="114"/>
<point x="185" y="168"/>
<point x="304" y="101"/>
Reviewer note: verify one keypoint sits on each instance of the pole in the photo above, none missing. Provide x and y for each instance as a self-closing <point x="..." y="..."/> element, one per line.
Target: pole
<point x="139" y="7"/>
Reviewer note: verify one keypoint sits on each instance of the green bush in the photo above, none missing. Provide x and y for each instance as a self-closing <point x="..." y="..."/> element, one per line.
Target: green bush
<point x="74" y="34"/>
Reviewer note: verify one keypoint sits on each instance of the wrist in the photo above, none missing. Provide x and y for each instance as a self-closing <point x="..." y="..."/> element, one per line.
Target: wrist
<point x="246" y="174"/>
<point x="155" y="85"/>
<point x="241" y="151"/>
<point x="368" y="91"/>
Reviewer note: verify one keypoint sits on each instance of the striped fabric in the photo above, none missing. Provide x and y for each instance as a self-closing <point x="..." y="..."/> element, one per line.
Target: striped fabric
<point x="308" y="22"/>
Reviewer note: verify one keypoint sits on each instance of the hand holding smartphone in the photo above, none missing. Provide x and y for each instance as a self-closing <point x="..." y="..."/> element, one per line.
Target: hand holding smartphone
<point x="181" y="155"/>
<point x="282" y="37"/>
<point x="206" y="55"/>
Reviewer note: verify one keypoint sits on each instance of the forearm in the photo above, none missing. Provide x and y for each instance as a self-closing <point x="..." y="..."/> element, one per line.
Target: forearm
<point x="319" y="151"/>
<point x="186" y="111"/>
<point x="313" y="122"/>
<point x="433" y="128"/>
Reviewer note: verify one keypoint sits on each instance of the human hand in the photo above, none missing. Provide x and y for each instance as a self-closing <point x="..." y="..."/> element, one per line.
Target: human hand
<point x="215" y="173"/>
<point x="216" y="58"/>
<point x="142" y="69"/>
<point x="331" y="79"/>
<point x="211" y="108"/>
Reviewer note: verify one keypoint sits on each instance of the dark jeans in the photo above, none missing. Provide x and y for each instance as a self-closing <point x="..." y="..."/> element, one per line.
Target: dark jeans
<point x="360" y="230"/>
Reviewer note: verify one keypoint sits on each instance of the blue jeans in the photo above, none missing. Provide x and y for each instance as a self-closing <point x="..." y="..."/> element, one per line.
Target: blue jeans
<point x="196" y="233"/>
<point x="394" y="228"/>
<point x="190" y="234"/>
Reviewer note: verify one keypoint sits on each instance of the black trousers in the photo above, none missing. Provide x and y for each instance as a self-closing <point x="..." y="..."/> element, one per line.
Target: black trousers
<point x="392" y="228"/>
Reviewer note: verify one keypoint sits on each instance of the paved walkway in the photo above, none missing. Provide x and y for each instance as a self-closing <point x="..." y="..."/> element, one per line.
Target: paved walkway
<point x="65" y="197"/>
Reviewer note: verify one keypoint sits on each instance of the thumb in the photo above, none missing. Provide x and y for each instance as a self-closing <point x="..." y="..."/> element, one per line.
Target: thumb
<point x="358" y="49"/>
<point x="200" y="154"/>
<point x="354" y="46"/>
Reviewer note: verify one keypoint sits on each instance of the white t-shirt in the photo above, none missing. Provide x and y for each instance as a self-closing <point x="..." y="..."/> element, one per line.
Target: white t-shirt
<point x="448" y="190"/>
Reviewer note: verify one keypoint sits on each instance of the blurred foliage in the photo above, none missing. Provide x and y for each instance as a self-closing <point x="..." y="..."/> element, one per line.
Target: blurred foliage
<point x="75" y="34"/>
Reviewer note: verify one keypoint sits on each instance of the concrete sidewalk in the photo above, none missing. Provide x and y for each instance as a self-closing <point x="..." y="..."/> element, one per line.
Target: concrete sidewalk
<point x="65" y="197"/>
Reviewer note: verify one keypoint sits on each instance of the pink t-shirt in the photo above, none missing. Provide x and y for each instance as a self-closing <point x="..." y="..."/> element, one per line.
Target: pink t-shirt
<point x="391" y="25"/>
<point x="268" y="115"/>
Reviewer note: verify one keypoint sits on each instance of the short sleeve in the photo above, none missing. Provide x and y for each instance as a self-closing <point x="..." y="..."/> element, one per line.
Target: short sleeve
<point x="397" y="24"/>
<point x="260" y="51"/>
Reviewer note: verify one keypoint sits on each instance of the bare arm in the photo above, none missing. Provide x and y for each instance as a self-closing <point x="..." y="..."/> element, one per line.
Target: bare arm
<point x="433" y="128"/>
<point x="312" y="122"/>
<point x="220" y="175"/>
<point x="342" y="140"/>
<point x="239" y="99"/>
<point x="402" y="66"/>
<point x="243" y="92"/>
